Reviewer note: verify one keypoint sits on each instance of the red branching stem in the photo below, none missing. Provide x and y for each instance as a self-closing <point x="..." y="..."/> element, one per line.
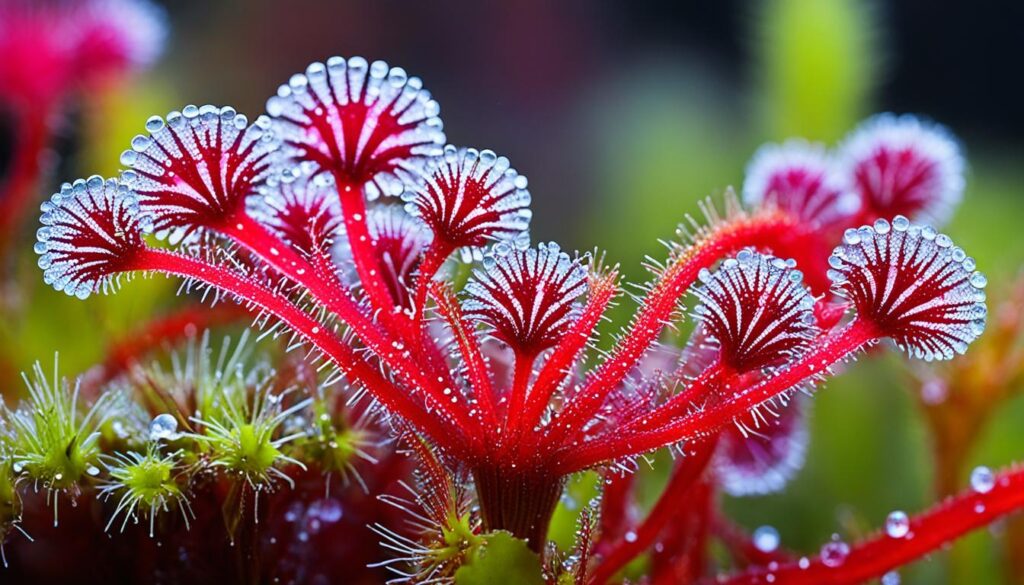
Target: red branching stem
<point x="353" y="207"/>
<point x="559" y="362"/>
<point x="711" y="378"/>
<point x="433" y="258"/>
<point x="928" y="532"/>
<point x="251" y="234"/>
<point x="827" y="351"/>
<point x="271" y="249"/>
<point x="685" y="475"/>
<point x="30" y="141"/>
<point x="661" y="303"/>
<point x="472" y="356"/>
<point x="356" y="368"/>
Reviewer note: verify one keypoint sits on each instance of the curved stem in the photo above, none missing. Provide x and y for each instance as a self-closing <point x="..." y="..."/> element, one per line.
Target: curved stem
<point x="271" y="249"/>
<point x="723" y="238"/>
<point x="560" y="361"/>
<point x="928" y="532"/>
<point x="826" y="352"/>
<point x="321" y="337"/>
<point x="685" y="475"/>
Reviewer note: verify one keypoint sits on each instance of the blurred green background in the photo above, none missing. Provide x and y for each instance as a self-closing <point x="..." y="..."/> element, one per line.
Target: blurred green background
<point x="623" y="115"/>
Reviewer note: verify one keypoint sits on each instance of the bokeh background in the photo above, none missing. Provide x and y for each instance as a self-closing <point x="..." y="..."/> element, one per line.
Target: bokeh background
<point x="623" y="115"/>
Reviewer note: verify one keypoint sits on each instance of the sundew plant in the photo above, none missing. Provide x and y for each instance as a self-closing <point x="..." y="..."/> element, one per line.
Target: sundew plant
<point x="424" y="324"/>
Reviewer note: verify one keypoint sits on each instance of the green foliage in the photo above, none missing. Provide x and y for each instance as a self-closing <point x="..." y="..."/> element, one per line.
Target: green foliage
<point x="332" y="442"/>
<point x="501" y="559"/>
<point x="54" y="441"/>
<point x="818" y="66"/>
<point x="244" y="436"/>
<point x="146" y="484"/>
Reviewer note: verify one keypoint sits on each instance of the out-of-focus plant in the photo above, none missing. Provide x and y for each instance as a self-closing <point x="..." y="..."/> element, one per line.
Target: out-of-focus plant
<point x="960" y="399"/>
<point x="61" y="59"/>
<point x="818" y="62"/>
<point x="52" y="52"/>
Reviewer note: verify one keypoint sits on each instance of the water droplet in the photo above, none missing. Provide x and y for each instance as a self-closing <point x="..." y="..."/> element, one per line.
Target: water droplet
<point x="766" y="539"/>
<point x="834" y="552"/>
<point x="934" y="392"/>
<point x="897" y="524"/>
<point x="92" y="470"/>
<point x="891" y="578"/>
<point x="163" y="427"/>
<point x="982" y="479"/>
<point x="630" y="536"/>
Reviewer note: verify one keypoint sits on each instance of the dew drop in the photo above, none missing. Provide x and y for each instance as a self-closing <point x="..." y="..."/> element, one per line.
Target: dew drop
<point x="766" y="539"/>
<point x="982" y="479"/>
<point x="834" y="552"/>
<point x="891" y="578"/>
<point x="92" y="470"/>
<point x="934" y="392"/>
<point x="163" y="427"/>
<point x="897" y="524"/>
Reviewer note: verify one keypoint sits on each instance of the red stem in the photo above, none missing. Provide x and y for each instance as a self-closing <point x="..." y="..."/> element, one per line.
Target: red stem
<point x="517" y="397"/>
<point x="560" y="361"/>
<point x="928" y="532"/>
<point x="353" y="207"/>
<point x="432" y="261"/>
<point x="660" y="304"/>
<point x="472" y="357"/>
<point x="827" y="351"/>
<point x="701" y="387"/>
<point x="685" y="475"/>
<point x="520" y="501"/>
<point x="357" y="369"/>
<point x="271" y="249"/>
